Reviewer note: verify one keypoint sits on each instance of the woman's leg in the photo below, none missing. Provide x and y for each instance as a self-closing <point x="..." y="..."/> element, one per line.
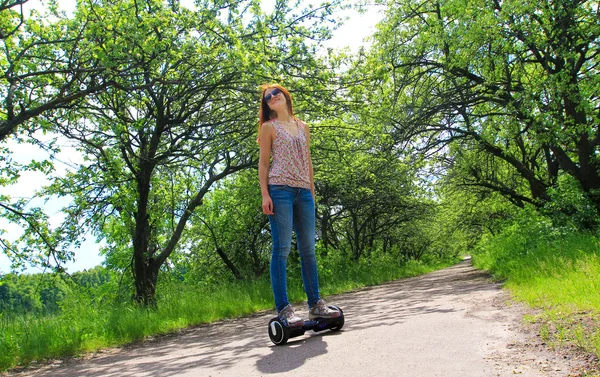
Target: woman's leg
<point x="281" y="230"/>
<point x="304" y="225"/>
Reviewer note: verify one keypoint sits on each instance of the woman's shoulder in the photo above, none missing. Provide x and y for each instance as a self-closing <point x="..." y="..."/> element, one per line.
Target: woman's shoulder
<point x="269" y="124"/>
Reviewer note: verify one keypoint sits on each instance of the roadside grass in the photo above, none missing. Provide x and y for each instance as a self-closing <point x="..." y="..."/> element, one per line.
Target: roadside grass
<point x="556" y="271"/>
<point x="89" y="323"/>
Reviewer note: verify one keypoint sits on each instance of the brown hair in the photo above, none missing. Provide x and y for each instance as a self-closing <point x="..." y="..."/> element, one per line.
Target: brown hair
<point x="265" y="113"/>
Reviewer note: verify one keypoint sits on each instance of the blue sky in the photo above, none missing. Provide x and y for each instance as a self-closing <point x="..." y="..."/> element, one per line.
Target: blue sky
<point x="352" y="35"/>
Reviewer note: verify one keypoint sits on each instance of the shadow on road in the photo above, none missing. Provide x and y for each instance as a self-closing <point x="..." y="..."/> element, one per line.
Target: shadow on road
<point x="292" y="356"/>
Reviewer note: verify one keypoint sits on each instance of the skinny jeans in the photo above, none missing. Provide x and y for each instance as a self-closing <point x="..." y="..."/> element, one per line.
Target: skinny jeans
<point x="294" y="209"/>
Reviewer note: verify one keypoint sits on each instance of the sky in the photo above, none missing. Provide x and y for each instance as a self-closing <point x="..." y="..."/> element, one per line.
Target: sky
<point x="351" y="34"/>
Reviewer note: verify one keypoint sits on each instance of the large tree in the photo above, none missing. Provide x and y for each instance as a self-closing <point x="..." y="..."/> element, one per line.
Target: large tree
<point x="514" y="82"/>
<point x="186" y="120"/>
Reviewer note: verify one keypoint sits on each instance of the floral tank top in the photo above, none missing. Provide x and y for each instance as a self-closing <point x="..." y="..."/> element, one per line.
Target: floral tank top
<point x="290" y="164"/>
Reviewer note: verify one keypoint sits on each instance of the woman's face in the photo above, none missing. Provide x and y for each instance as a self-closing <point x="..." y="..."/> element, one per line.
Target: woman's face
<point x="274" y="98"/>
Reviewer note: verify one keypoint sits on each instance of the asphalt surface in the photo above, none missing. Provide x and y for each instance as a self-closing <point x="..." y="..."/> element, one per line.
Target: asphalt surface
<point x="453" y="322"/>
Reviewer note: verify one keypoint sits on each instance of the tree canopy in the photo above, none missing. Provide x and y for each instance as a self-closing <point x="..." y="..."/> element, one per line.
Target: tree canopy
<point x="456" y="117"/>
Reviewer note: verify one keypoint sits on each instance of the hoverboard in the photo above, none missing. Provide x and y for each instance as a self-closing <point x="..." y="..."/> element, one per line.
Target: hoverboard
<point x="280" y="331"/>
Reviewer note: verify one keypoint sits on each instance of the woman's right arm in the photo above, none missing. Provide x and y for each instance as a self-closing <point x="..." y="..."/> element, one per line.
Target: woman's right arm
<point x="266" y="136"/>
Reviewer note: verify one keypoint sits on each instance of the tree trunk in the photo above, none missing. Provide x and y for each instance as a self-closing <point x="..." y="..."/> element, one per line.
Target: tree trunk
<point x="221" y="253"/>
<point x="356" y="237"/>
<point x="145" y="267"/>
<point x="145" y="283"/>
<point x="229" y="264"/>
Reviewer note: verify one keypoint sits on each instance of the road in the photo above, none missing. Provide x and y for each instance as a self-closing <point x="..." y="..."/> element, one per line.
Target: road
<point x="452" y="322"/>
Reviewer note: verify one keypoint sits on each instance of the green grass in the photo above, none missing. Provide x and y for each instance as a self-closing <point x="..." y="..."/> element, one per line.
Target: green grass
<point x="555" y="271"/>
<point x="86" y="326"/>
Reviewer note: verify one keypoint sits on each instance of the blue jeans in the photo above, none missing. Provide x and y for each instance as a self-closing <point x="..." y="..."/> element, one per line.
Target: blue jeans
<point x="293" y="208"/>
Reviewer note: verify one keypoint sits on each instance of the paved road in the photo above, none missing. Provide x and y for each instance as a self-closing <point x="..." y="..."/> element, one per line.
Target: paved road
<point x="453" y="322"/>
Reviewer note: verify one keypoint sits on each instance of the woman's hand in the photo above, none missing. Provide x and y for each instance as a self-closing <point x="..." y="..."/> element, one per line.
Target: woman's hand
<point x="267" y="205"/>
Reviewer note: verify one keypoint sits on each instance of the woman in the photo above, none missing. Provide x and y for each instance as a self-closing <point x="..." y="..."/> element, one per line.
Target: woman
<point x="288" y="194"/>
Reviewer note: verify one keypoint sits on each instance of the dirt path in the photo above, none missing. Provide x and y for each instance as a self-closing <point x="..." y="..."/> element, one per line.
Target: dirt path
<point x="453" y="322"/>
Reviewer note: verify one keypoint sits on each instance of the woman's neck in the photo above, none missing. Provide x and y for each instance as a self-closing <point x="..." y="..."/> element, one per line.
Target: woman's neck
<point x="284" y="116"/>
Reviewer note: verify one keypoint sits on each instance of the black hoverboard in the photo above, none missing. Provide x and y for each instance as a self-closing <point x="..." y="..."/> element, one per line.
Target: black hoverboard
<point x="280" y="331"/>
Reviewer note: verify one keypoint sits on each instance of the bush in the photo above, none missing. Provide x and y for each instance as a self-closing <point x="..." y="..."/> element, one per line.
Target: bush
<point x="570" y="206"/>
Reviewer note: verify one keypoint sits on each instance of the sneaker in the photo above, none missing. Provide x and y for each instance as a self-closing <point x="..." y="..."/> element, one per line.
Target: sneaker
<point x="290" y="316"/>
<point x="321" y="310"/>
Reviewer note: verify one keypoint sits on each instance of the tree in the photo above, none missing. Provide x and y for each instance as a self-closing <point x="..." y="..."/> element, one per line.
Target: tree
<point x="231" y="229"/>
<point x="366" y="190"/>
<point x="155" y="150"/>
<point x="514" y="80"/>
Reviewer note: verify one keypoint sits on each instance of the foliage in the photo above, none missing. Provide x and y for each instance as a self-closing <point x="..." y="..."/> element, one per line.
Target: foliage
<point x="468" y="127"/>
<point x="42" y="294"/>
<point x="366" y="192"/>
<point x="570" y="206"/>
<point x="505" y="90"/>
<point x="230" y="233"/>
<point x="45" y="66"/>
<point x="176" y="123"/>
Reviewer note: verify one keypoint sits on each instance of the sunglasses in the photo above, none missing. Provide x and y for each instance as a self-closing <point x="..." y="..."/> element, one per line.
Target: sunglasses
<point x="270" y="96"/>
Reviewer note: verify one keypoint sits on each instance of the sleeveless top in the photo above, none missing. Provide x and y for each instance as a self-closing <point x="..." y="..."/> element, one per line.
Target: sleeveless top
<point x="290" y="164"/>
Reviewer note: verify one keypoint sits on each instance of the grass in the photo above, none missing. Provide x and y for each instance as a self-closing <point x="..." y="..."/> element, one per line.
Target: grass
<point x="556" y="271"/>
<point x="86" y="326"/>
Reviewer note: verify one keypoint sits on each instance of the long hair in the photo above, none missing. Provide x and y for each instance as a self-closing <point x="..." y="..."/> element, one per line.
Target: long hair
<point x="265" y="113"/>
